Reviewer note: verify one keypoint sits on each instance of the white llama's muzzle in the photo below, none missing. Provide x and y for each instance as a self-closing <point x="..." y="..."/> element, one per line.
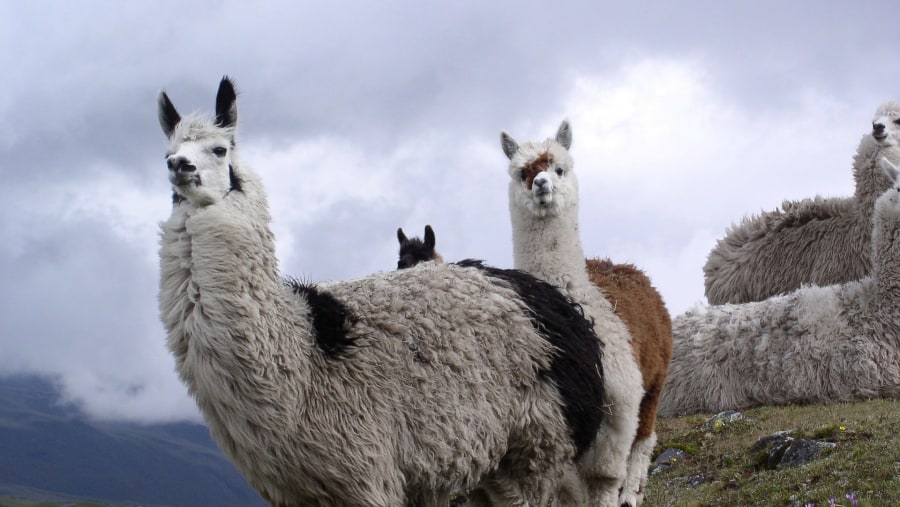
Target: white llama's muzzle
<point x="181" y="171"/>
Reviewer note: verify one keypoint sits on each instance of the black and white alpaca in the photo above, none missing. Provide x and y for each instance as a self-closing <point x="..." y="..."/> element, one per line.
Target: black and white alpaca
<point x="395" y="389"/>
<point x="415" y="250"/>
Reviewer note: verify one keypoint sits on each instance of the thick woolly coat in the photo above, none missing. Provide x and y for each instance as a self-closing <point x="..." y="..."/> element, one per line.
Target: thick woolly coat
<point x="547" y="243"/>
<point x="816" y="344"/>
<point x="818" y="241"/>
<point x="396" y="389"/>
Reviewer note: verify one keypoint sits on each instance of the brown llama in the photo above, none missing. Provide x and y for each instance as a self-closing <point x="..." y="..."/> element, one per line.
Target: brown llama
<point x="641" y="307"/>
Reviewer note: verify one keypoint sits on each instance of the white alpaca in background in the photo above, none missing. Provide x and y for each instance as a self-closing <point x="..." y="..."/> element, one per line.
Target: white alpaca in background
<point x="819" y="241"/>
<point x="392" y="390"/>
<point x="543" y="206"/>
<point x="814" y="345"/>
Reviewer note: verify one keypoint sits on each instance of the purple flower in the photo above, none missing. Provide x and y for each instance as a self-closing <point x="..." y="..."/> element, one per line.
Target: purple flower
<point x="832" y="501"/>
<point x="852" y="497"/>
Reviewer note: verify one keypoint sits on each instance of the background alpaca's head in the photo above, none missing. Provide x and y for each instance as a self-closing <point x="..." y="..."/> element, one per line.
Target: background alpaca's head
<point x="541" y="177"/>
<point x="414" y="250"/>
<point x="199" y="154"/>
<point x="886" y="124"/>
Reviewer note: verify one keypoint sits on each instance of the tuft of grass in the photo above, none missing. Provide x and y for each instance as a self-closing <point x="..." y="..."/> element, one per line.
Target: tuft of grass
<point x="720" y="468"/>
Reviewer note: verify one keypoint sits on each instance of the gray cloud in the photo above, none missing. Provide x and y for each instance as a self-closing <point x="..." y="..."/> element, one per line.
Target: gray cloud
<point x="364" y="116"/>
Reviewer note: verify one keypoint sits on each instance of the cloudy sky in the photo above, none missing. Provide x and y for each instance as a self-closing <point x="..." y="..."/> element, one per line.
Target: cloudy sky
<point x="365" y="116"/>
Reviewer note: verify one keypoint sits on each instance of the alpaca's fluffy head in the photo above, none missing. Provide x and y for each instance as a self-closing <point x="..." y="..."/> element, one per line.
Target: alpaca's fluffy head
<point x="200" y="151"/>
<point x="541" y="177"/>
<point x="886" y="124"/>
<point x="415" y="250"/>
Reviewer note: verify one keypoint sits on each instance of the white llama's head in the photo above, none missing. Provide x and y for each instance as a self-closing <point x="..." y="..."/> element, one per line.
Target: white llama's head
<point x="886" y="124"/>
<point x="541" y="177"/>
<point x="200" y="150"/>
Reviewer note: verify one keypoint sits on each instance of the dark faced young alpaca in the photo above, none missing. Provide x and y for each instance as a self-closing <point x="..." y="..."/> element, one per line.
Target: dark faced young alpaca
<point x="414" y="250"/>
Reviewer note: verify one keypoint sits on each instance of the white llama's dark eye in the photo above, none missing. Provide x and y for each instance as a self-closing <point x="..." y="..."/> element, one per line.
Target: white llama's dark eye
<point x="522" y="175"/>
<point x="219" y="151"/>
<point x="559" y="171"/>
<point x="897" y="121"/>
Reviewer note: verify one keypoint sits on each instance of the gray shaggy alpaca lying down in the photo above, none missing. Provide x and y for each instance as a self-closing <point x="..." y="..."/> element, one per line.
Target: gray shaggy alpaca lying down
<point x="818" y="241"/>
<point x="395" y="389"/>
<point x="816" y="344"/>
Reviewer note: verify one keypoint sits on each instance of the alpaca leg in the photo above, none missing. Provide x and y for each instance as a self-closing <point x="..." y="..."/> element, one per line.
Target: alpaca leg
<point x="571" y="491"/>
<point x="638" y="466"/>
<point x="606" y="464"/>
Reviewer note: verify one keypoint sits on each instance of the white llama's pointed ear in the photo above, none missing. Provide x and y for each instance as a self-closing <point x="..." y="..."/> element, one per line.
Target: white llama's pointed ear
<point x="889" y="169"/>
<point x="429" y="237"/>
<point x="168" y="115"/>
<point x="226" y="104"/>
<point x="510" y="146"/>
<point x="400" y="236"/>
<point x="564" y="135"/>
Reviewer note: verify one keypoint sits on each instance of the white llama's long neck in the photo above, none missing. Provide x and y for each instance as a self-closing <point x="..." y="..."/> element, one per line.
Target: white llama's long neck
<point x="550" y="247"/>
<point x="222" y="299"/>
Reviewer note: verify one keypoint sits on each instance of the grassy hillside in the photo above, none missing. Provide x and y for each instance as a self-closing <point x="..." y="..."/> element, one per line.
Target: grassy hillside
<point x="721" y="469"/>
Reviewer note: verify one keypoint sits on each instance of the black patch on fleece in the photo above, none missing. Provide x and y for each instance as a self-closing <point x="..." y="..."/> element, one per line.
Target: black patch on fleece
<point x="576" y="368"/>
<point x="236" y="183"/>
<point x="330" y="319"/>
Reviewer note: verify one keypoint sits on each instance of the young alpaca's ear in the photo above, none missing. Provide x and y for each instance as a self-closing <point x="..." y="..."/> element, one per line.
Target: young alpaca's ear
<point x="889" y="169"/>
<point x="168" y="116"/>
<point x="400" y="236"/>
<point x="510" y="146"/>
<point x="429" y="237"/>
<point x="564" y="135"/>
<point x="226" y="104"/>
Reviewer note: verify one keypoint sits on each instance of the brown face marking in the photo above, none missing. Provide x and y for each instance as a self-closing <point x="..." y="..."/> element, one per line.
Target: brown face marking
<point x="531" y="169"/>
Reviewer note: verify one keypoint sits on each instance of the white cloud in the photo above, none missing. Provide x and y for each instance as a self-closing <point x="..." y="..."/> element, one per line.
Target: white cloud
<point x="666" y="162"/>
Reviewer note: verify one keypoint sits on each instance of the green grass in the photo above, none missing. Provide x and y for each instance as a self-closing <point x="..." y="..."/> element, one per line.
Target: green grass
<point x="866" y="460"/>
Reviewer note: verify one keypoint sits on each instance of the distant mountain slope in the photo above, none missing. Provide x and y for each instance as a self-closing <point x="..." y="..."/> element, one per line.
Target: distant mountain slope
<point x="49" y="447"/>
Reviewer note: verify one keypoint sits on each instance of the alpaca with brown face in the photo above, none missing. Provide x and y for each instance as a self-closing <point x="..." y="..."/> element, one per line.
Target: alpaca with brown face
<point x="543" y="205"/>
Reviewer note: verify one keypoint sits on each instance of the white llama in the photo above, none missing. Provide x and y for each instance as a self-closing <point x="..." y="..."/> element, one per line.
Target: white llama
<point x="818" y="241"/>
<point x="816" y="344"/>
<point x="391" y="390"/>
<point x="543" y="205"/>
